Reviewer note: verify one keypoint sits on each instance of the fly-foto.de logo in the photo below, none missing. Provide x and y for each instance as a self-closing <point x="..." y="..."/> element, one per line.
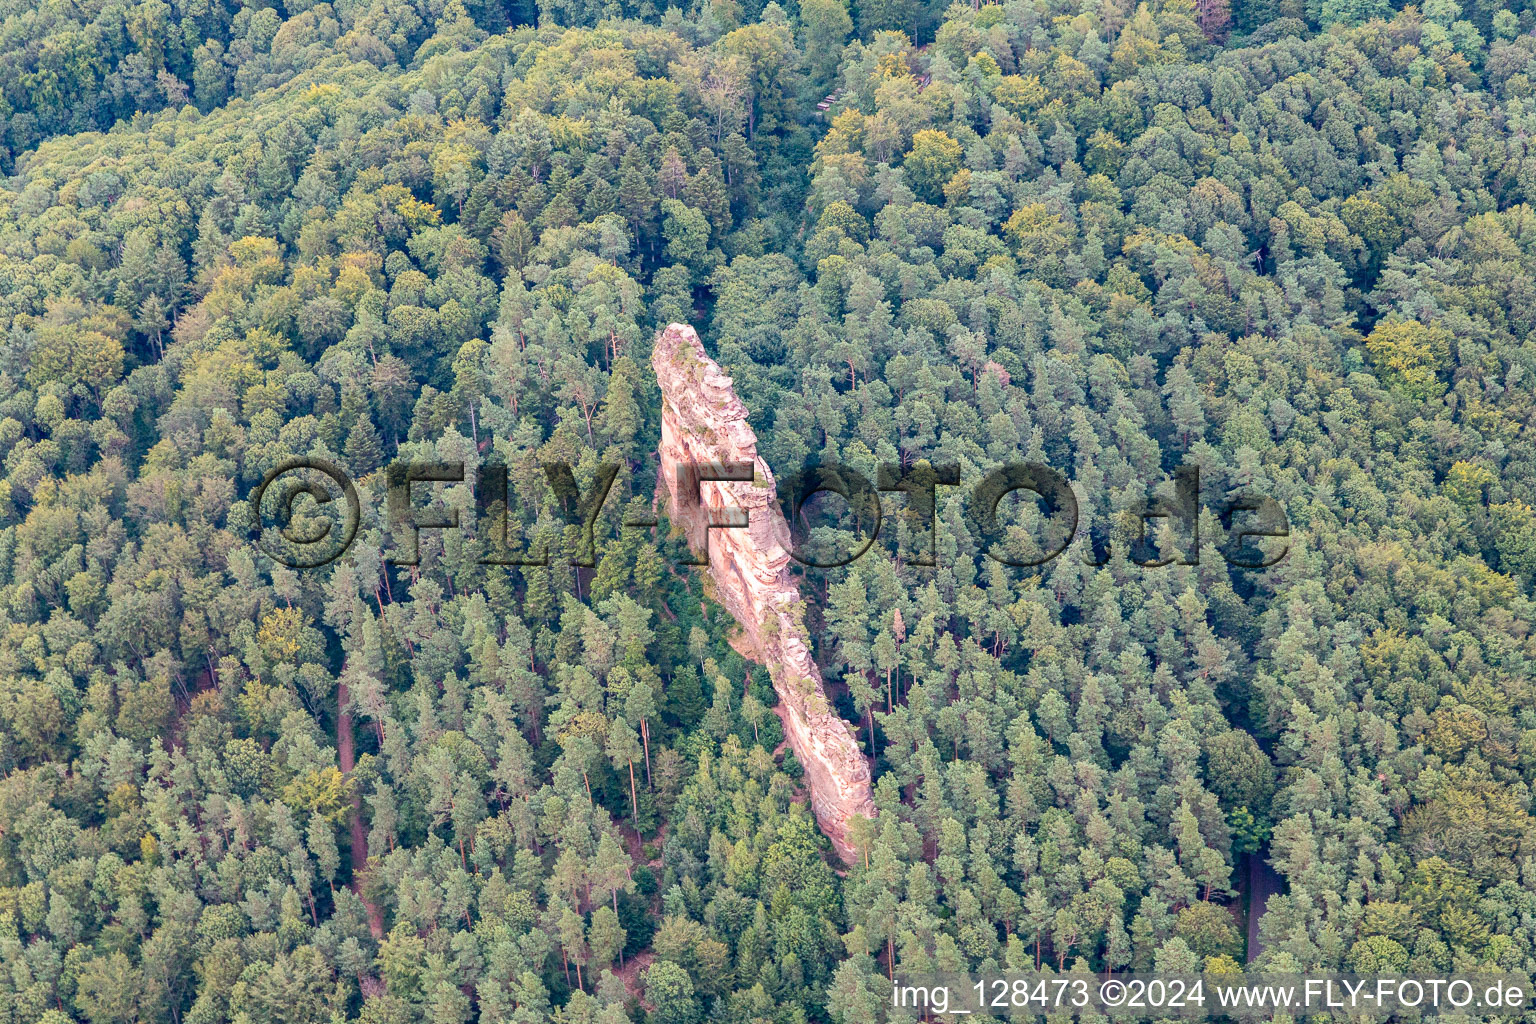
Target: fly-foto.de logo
<point x="1253" y="527"/>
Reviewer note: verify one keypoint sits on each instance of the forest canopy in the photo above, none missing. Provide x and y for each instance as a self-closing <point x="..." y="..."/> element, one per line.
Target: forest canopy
<point x="1290" y="242"/>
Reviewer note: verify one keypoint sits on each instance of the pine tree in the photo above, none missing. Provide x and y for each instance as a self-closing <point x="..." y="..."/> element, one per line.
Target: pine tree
<point x="623" y="748"/>
<point x="364" y="450"/>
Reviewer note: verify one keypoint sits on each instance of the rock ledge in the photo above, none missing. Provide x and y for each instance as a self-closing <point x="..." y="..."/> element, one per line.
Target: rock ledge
<point x="704" y="422"/>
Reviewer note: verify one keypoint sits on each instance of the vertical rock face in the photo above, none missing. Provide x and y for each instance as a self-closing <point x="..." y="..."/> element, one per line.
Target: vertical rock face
<point x="704" y="423"/>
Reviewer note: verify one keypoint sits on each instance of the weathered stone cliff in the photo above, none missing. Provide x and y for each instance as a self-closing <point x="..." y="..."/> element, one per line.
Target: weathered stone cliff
<point x="703" y="422"/>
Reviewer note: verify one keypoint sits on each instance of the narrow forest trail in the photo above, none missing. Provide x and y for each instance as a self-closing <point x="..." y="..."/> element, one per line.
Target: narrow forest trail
<point x="1261" y="882"/>
<point x="346" y="755"/>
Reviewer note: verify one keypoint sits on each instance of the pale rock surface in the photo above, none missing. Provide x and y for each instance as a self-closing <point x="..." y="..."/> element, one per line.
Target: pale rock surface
<point x="704" y="422"/>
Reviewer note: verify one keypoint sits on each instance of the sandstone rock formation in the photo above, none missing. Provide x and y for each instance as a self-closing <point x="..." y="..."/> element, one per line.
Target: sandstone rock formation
<point x="703" y="423"/>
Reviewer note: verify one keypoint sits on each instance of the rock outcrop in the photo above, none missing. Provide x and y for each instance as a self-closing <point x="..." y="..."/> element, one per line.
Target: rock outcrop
<point x="704" y="423"/>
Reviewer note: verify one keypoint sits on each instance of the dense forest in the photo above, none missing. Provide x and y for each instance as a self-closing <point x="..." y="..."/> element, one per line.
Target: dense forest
<point x="1291" y="242"/>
